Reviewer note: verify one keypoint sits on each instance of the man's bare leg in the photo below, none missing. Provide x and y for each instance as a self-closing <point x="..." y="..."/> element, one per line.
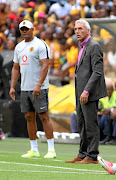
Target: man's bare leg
<point x="47" y="125"/>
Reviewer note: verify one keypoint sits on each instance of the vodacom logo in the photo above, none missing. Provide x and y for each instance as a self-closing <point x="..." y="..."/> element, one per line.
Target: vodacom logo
<point x="24" y="58"/>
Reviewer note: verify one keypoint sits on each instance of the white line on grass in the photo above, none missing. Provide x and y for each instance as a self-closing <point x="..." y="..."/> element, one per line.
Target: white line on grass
<point x="6" y="170"/>
<point x="55" y="167"/>
<point x="57" y="160"/>
<point x="35" y="158"/>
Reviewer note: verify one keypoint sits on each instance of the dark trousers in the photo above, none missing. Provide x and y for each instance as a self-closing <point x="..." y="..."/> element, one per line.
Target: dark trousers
<point x="88" y="129"/>
<point x="73" y="123"/>
<point x="105" y="124"/>
<point x="114" y="128"/>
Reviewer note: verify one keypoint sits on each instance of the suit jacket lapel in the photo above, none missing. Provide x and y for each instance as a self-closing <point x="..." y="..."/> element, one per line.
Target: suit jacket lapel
<point x="84" y="51"/>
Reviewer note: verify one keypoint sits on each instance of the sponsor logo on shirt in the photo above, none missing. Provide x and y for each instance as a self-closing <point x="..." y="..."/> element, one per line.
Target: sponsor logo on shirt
<point x="24" y="58"/>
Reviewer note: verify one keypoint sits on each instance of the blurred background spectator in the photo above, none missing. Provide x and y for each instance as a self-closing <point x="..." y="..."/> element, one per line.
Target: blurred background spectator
<point x="104" y="119"/>
<point x="11" y="43"/>
<point x="14" y="5"/>
<point x="111" y="55"/>
<point x="61" y="8"/>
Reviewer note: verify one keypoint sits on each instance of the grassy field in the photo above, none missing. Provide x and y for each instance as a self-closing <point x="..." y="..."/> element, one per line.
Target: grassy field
<point x="13" y="167"/>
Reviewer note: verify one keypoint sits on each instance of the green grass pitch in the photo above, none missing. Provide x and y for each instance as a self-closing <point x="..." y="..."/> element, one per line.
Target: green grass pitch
<point x="13" y="167"/>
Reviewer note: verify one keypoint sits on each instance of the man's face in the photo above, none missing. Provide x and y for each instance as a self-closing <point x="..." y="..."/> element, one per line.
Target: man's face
<point x="26" y="33"/>
<point x="109" y="90"/>
<point x="81" y="31"/>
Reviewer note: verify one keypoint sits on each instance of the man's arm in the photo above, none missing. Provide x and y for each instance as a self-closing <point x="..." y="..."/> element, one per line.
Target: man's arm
<point x="14" y="78"/>
<point x="43" y="74"/>
<point x="97" y="68"/>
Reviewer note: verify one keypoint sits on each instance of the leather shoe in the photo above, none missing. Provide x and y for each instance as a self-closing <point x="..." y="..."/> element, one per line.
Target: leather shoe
<point x="86" y="160"/>
<point x="76" y="159"/>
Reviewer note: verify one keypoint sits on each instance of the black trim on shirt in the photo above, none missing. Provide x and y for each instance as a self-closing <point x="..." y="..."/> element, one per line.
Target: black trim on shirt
<point x="46" y="48"/>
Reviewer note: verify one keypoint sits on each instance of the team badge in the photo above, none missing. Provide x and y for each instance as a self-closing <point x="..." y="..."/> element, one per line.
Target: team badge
<point x="31" y="49"/>
<point x="24" y="58"/>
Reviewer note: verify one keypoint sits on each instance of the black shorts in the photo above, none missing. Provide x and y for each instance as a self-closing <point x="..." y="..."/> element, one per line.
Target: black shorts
<point x="31" y="104"/>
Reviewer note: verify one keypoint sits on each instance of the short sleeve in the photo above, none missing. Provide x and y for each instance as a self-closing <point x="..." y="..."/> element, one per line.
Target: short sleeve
<point x="15" y="59"/>
<point x="44" y="51"/>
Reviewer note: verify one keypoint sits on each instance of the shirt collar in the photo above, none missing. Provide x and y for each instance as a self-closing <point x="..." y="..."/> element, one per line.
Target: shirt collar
<point x="82" y="44"/>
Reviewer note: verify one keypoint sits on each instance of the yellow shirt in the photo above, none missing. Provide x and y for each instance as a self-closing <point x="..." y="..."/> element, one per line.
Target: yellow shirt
<point x="40" y="8"/>
<point x="71" y="57"/>
<point x="104" y="34"/>
<point x="55" y="53"/>
<point x="3" y="39"/>
<point x="27" y="17"/>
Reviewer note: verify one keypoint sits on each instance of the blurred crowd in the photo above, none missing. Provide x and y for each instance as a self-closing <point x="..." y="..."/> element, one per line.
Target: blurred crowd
<point x="54" y="22"/>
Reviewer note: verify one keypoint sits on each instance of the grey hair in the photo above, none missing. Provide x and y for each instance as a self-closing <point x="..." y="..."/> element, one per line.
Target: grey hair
<point x="87" y="25"/>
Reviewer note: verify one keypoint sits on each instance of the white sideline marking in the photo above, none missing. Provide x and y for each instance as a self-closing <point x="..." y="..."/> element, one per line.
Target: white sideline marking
<point x="55" y="167"/>
<point x="57" y="160"/>
<point x="51" y="172"/>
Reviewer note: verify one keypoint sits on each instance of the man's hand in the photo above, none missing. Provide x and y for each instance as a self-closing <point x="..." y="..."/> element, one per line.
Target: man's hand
<point x="100" y="113"/>
<point x="106" y="111"/>
<point x="12" y="93"/>
<point x="36" y="91"/>
<point x="113" y="113"/>
<point x="84" y="98"/>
